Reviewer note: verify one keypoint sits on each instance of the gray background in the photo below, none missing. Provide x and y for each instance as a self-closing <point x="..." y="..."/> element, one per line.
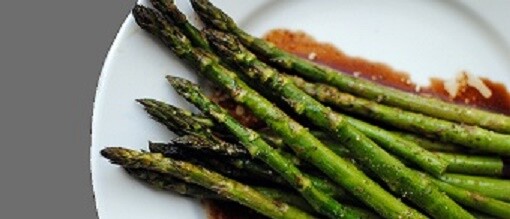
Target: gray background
<point x="51" y="53"/>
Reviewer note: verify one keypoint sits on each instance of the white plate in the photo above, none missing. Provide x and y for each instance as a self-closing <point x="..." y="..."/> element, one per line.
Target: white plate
<point x="425" y="38"/>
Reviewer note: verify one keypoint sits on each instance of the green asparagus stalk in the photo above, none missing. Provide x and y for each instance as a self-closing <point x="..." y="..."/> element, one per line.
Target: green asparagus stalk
<point x="183" y="122"/>
<point x="249" y="169"/>
<point x="258" y="148"/>
<point x="467" y="198"/>
<point x="399" y="178"/>
<point x="361" y="87"/>
<point x="255" y="69"/>
<point x="323" y="184"/>
<point x="458" y="163"/>
<point x="475" y="200"/>
<point x="406" y="149"/>
<point x="480" y="215"/>
<point x="468" y="136"/>
<point x="462" y="196"/>
<point x="299" y="202"/>
<point x="491" y="187"/>
<point x="286" y="197"/>
<point x="223" y="166"/>
<point x="179" y="121"/>
<point x="242" y="169"/>
<point x="432" y="145"/>
<point x="223" y="186"/>
<point x="199" y="122"/>
<point x="217" y="147"/>
<point x="169" y="183"/>
<point x="474" y="164"/>
<point x="302" y="142"/>
<point x="167" y="114"/>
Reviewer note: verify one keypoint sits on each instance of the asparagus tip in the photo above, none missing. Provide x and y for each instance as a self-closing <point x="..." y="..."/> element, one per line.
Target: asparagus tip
<point x="114" y="154"/>
<point x="169" y="9"/>
<point x="211" y="14"/>
<point x="222" y="41"/>
<point x="144" y="101"/>
<point x="179" y="83"/>
<point x="150" y="20"/>
<point x="144" y="16"/>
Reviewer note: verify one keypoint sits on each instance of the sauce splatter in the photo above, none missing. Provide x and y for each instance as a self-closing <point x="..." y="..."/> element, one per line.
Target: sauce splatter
<point x="303" y="45"/>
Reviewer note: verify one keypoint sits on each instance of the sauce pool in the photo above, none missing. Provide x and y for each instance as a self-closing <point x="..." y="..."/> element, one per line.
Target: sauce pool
<point x="303" y="45"/>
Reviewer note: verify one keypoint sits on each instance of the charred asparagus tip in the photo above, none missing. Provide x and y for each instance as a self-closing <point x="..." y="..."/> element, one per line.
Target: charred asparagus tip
<point x="145" y="17"/>
<point x="181" y="84"/>
<point x="146" y="102"/>
<point x="116" y="155"/>
<point x="222" y="41"/>
<point x="168" y="8"/>
<point x="209" y="13"/>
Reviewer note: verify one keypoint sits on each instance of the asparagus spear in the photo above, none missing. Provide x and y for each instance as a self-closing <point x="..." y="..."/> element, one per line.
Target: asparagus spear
<point x="178" y="118"/>
<point x="431" y="145"/>
<point x="468" y="136"/>
<point x="244" y="170"/>
<point x="302" y="142"/>
<point x="258" y="148"/>
<point x="458" y="163"/>
<point x="166" y="182"/>
<point x="474" y="164"/>
<point x="361" y="87"/>
<point x="181" y="122"/>
<point x="218" y="147"/>
<point x="254" y="170"/>
<point x="407" y="149"/>
<point x="192" y="123"/>
<point x="263" y="74"/>
<point x="225" y="187"/>
<point x="462" y="196"/>
<point x="491" y="187"/>
<point x="472" y="199"/>
<point x="223" y="165"/>
<point x="394" y="173"/>
<point x="475" y="200"/>
<point x="169" y="183"/>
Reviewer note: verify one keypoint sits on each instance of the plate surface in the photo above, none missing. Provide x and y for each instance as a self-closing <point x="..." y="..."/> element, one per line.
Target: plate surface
<point x="424" y="38"/>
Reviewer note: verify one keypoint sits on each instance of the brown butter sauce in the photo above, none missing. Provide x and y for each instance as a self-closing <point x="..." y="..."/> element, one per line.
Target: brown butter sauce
<point x="303" y="45"/>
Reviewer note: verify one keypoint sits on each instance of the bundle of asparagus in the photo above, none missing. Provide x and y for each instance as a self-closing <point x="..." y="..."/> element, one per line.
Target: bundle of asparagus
<point x="345" y="167"/>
